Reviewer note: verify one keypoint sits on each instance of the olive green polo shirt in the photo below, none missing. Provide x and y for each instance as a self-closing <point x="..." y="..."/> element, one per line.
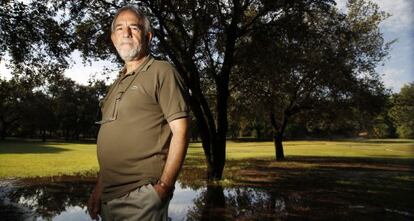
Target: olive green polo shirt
<point x="134" y="136"/>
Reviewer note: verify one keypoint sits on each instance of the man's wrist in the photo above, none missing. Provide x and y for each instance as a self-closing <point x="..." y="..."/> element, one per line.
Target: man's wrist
<point x="165" y="186"/>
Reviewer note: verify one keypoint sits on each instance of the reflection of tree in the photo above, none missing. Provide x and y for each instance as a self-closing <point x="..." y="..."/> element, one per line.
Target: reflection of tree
<point x="211" y="205"/>
<point x="11" y="212"/>
<point x="215" y="203"/>
<point x="51" y="199"/>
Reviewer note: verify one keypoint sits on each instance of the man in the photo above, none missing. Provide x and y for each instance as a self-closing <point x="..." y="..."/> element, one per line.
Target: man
<point x="142" y="140"/>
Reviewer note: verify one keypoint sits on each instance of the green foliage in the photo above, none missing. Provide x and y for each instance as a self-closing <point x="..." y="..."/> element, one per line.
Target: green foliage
<point x="316" y="73"/>
<point x="58" y="109"/>
<point x="32" y="36"/>
<point x="402" y="111"/>
<point x="383" y="128"/>
<point x="11" y="96"/>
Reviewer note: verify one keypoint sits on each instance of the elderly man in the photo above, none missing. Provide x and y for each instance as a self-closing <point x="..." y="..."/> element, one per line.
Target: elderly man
<point x="142" y="140"/>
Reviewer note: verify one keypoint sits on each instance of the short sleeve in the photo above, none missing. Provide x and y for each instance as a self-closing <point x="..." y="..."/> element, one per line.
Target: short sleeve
<point x="172" y="95"/>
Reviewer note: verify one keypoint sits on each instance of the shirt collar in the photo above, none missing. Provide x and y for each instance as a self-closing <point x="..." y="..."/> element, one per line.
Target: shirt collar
<point x="148" y="60"/>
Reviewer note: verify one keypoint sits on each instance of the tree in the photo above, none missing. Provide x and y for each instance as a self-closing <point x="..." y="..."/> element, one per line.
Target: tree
<point x="75" y="106"/>
<point x="199" y="37"/>
<point x="10" y="106"/>
<point x="209" y="43"/>
<point x="402" y="111"/>
<point x="37" y="45"/>
<point x="313" y="56"/>
<point x="33" y="37"/>
<point x="38" y="117"/>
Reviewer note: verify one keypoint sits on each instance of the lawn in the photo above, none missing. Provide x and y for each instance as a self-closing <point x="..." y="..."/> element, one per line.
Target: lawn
<point x="37" y="159"/>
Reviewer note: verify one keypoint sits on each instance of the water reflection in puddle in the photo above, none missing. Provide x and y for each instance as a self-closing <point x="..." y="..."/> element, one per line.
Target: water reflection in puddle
<point x="63" y="201"/>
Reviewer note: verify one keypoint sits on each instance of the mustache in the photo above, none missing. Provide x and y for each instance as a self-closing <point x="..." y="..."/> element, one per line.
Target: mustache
<point x="126" y="42"/>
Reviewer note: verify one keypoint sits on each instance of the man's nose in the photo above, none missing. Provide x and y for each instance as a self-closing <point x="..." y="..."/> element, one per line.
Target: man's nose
<point x="126" y="32"/>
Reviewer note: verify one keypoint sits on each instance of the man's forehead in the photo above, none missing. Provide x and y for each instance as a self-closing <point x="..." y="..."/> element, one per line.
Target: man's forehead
<point x="127" y="15"/>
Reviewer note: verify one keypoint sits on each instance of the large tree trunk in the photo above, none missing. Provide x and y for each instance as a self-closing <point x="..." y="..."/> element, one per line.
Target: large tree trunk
<point x="214" y="144"/>
<point x="219" y="144"/>
<point x="278" y="132"/>
<point x="277" y="139"/>
<point x="215" y="154"/>
<point x="213" y="134"/>
<point x="215" y="165"/>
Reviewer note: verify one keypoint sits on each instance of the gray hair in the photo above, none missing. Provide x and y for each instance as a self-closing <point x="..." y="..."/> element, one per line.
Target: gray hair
<point x="139" y="13"/>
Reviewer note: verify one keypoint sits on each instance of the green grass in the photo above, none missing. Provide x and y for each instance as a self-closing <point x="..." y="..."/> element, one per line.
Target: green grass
<point x="387" y="148"/>
<point x="36" y="159"/>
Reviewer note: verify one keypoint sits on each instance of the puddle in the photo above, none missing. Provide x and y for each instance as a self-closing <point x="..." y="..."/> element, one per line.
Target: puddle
<point x="65" y="200"/>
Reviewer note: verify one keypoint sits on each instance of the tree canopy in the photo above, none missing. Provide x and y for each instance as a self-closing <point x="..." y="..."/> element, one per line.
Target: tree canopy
<point x="402" y="111"/>
<point x="315" y="59"/>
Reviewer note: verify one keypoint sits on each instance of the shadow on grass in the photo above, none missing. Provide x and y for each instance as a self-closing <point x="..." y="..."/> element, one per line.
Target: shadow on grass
<point x="351" y="160"/>
<point x="38" y="140"/>
<point x="28" y="148"/>
<point x="249" y="139"/>
<point x="356" y="140"/>
<point x="388" y="141"/>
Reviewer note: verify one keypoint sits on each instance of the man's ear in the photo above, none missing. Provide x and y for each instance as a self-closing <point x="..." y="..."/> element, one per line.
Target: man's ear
<point x="113" y="38"/>
<point x="149" y="37"/>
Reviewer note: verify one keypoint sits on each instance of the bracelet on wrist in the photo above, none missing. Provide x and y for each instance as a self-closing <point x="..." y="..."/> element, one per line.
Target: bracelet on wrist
<point x="165" y="186"/>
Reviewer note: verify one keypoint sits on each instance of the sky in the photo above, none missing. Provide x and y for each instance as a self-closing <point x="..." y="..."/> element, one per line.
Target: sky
<point x="397" y="70"/>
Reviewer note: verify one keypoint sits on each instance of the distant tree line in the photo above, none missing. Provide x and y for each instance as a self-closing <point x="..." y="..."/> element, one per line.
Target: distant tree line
<point x="391" y="117"/>
<point x="60" y="109"/>
<point x="63" y="109"/>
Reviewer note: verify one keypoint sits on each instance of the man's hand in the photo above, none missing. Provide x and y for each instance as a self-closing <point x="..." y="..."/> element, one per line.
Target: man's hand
<point x="163" y="192"/>
<point x="94" y="202"/>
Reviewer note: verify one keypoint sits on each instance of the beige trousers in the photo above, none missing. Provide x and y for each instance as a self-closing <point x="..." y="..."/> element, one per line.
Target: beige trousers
<point x="142" y="203"/>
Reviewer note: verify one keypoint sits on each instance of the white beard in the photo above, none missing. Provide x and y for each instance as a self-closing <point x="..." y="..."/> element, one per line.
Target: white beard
<point x="129" y="55"/>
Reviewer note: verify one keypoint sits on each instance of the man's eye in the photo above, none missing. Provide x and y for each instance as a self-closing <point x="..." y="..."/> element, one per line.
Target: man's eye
<point x="118" y="28"/>
<point x="135" y="28"/>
